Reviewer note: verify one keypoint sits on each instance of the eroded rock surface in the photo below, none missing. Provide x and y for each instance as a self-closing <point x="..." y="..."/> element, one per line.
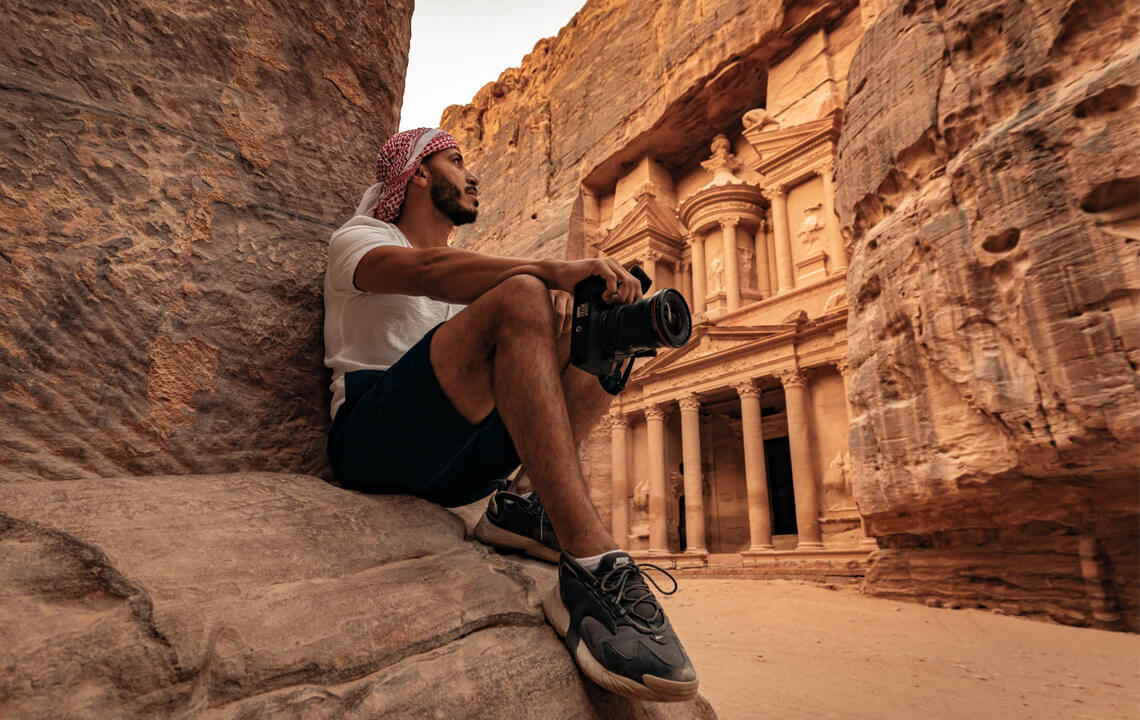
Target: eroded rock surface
<point x="171" y="176"/>
<point x="267" y="595"/>
<point x="989" y="183"/>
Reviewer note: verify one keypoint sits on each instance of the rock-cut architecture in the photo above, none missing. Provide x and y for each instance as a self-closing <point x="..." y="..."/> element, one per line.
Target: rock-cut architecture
<point x="907" y="234"/>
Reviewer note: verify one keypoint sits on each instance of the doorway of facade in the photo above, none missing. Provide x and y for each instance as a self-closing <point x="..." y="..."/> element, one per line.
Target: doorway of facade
<point x="781" y="491"/>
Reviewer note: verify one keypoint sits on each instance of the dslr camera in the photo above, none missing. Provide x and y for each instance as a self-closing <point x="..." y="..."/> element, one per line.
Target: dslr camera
<point x="604" y="336"/>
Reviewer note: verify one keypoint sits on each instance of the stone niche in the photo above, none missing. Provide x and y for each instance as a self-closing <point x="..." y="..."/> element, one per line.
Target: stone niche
<point x="988" y="177"/>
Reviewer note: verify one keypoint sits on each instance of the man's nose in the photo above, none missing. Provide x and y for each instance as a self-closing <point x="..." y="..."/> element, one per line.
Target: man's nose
<point x="472" y="178"/>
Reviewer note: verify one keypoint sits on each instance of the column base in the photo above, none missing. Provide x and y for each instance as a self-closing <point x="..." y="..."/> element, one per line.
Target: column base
<point x="809" y="545"/>
<point x="692" y="557"/>
<point x="869" y="543"/>
<point x="762" y="548"/>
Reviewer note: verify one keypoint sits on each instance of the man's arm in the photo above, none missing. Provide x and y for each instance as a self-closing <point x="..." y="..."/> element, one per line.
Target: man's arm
<point x="461" y="276"/>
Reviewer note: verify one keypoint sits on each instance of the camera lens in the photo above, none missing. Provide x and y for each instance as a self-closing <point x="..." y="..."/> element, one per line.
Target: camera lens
<point x="673" y="321"/>
<point x="661" y="319"/>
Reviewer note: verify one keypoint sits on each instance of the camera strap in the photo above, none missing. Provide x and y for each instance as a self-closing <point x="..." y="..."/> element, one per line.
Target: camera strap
<point x="615" y="382"/>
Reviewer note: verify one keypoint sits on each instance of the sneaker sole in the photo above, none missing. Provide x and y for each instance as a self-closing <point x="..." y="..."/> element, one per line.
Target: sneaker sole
<point x="491" y="534"/>
<point x="650" y="688"/>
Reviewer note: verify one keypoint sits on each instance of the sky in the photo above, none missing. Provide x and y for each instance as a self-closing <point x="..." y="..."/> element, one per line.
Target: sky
<point x="458" y="47"/>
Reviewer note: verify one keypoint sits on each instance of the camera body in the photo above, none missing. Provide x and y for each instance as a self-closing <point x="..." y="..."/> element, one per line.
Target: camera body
<point x="603" y="336"/>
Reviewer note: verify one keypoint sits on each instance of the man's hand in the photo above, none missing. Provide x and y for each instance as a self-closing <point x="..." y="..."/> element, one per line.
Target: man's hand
<point x="621" y="287"/>
<point x="563" y="303"/>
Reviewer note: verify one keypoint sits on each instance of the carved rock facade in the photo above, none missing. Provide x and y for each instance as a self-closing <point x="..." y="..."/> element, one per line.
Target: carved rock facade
<point x="710" y="163"/>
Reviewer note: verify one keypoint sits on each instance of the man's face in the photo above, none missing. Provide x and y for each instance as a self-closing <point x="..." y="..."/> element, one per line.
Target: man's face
<point x="454" y="188"/>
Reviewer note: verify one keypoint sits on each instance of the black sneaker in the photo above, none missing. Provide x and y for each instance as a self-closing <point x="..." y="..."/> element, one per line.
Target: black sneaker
<point x="616" y="630"/>
<point x="518" y="522"/>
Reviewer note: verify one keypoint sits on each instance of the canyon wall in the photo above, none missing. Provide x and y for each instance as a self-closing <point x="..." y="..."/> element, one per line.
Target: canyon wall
<point x="620" y="80"/>
<point x="171" y="176"/>
<point x="989" y="188"/>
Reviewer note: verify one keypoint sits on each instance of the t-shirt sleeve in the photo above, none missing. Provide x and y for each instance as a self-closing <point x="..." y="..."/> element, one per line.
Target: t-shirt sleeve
<point x="348" y="247"/>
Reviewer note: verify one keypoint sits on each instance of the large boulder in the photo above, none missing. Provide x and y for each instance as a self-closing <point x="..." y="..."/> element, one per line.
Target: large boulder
<point x="171" y="174"/>
<point x="270" y="595"/>
<point x="989" y="186"/>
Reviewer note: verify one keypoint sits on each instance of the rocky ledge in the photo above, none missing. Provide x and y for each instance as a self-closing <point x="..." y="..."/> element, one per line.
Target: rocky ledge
<point x="271" y="595"/>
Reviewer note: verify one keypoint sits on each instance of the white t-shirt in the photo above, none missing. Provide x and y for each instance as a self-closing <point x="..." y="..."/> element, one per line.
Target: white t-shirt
<point x="369" y="331"/>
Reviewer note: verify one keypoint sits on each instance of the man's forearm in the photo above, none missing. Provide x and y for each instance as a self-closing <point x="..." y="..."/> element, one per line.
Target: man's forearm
<point x="461" y="276"/>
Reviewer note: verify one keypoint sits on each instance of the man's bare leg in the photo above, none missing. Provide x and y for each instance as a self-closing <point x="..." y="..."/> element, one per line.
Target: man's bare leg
<point x="500" y="352"/>
<point x="586" y="402"/>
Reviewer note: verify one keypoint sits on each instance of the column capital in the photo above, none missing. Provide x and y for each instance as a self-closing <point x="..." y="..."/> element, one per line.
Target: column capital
<point x="690" y="402"/>
<point x="792" y="377"/>
<point x="826" y="169"/>
<point x="773" y="192"/>
<point x="653" y="255"/>
<point x="747" y="389"/>
<point x="618" y="421"/>
<point x="763" y="226"/>
<point x="654" y="412"/>
<point x="843" y="367"/>
<point x="727" y="222"/>
<point x="693" y="238"/>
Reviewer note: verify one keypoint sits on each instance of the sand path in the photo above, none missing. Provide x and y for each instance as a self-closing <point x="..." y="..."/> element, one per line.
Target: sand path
<point x="788" y="650"/>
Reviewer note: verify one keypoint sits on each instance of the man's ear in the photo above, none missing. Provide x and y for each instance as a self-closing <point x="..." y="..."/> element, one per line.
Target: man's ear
<point x="420" y="176"/>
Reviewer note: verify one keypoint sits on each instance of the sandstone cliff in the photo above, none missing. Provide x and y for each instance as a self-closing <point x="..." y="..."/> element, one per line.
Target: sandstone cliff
<point x="989" y="183"/>
<point x="621" y="75"/>
<point x="171" y="177"/>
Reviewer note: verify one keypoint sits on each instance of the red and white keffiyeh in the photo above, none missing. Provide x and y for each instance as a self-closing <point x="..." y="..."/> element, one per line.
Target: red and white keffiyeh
<point x="395" y="164"/>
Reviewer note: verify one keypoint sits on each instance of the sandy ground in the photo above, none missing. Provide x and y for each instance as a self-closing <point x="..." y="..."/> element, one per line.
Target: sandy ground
<point x="788" y="650"/>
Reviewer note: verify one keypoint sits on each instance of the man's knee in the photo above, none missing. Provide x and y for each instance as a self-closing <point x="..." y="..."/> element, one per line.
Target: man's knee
<point x="523" y="300"/>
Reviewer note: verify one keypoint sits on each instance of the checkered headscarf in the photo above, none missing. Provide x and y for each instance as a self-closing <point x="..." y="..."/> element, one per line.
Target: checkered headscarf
<point x="395" y="164"/>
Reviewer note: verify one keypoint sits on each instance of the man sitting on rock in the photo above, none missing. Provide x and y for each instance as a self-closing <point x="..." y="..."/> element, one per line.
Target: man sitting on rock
<point x="449" y="366"/>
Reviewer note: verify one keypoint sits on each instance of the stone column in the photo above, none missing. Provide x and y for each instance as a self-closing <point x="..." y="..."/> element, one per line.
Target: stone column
<point x="755" y="469"/>
<point x="699" y="276"/>
<point x="731" y="263"/>
<point x="761" y="244"/>
<point x="648" y="263"/>
<point x="836" y="254"/>
<point x="694" y="494"/>
<point x="655" y="424"/>
<point x="784" y="270"/>
<point x="803" y="475"/>
<point x="619" y="478"/>
<point x="844" y="369"/>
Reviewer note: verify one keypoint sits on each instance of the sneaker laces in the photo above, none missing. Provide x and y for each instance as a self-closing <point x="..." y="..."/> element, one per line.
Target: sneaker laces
<point x="634" y="598"/>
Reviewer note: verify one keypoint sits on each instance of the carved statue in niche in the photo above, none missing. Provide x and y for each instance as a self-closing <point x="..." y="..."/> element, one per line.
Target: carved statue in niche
<point x="639" y="528"/>
<point x="837" y="484"/>
<point x="716" y="275"/>
<point x="809" y="230"/>
<point x="747" y="269"/>
<point x="723" y="164"/>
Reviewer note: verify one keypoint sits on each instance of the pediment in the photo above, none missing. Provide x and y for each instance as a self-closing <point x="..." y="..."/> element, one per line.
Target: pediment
<point x="648" y="219"/>
<point x="777" y="145"/>
<point x="708" y="344"/>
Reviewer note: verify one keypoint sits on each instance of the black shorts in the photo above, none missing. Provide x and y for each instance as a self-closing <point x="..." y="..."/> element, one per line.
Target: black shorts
<point x="398" y="433"/>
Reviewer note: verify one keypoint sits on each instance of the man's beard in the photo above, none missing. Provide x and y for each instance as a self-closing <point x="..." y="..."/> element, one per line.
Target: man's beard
<point x="445" y="196"/>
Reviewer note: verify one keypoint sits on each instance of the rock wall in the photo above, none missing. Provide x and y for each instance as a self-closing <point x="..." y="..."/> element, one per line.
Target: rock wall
<point x="171" y="173"/>
<point x="626" y="76"/>
<point x="989" y="186"/>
